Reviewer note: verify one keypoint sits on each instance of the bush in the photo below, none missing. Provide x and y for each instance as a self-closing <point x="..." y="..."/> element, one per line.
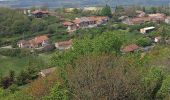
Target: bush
<point x="15" y="52"/>
<point x="144" y="42"/>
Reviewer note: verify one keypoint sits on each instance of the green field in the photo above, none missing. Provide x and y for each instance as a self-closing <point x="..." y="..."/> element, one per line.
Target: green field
<point x="17" y="64"/>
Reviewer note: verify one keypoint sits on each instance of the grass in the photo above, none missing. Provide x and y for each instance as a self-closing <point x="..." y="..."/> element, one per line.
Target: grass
<point x="9" y="63"/>
<point x="17" y="64"/>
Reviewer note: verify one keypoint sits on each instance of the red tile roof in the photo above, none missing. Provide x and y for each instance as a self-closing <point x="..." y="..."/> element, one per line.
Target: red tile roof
<point x="77" y="21"/>
<point x="91" y="18"/>
<point x="67" y="23"/>
<point x="39" y="39"/>
<point x="130" y="48"/>
<point x="64" y="43"/>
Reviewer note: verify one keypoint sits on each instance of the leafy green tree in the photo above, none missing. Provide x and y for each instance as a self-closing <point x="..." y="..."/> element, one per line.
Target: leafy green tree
<point x="152" y="82"/>
<point x="107" y="42"/>
<point x="106" y="11"/>
<point x="38" y="25"/>
<point x="20" y="26"/>
<point x="58" y="92"/>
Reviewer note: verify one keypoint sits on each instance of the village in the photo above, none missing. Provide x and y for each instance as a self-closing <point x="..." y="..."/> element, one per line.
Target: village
<point x="50" y="52"/>
<point x="42" y="41"/>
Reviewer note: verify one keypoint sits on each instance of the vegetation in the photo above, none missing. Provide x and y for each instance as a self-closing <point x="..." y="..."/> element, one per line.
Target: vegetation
<point x="95" y="68"/>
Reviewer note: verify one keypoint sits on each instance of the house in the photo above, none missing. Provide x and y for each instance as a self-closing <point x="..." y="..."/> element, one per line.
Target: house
<point x="157" y="39"/>
<point x="39" y="41"/>
<point x="146" y="30"/>
<point x="92" y="8"/>
<point x="142" y="18"/>
<point x="70" y="26"/>
<point x="167" y="20"/>
<point x="130" y="48"/>
<point x="85" y="22"/>
<point x="157" y="17"/>
<point x="63" y="45"/>
<point x="140" y="13"/>
<point x="23" y="44"/>
<point x="46" y="72"/>
<point x="70" y="10"/>
<point x="40" y="13"/>
<point x="27" y="12"/>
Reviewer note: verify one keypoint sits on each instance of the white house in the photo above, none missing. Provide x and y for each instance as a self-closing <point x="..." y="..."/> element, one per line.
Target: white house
<point x="146" y="30"/>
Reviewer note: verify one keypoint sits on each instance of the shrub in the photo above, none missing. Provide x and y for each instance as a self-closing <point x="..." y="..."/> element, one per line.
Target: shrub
<point x="144" y="42"/>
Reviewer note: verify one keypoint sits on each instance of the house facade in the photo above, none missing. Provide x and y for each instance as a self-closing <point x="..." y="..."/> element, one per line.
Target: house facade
<point x="39" y="13"/>
<point x="39" y="41"/>
<point x="142" y="18"/>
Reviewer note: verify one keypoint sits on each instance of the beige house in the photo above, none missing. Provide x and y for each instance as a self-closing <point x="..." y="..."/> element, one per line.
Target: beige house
<point x="146" y="30"/>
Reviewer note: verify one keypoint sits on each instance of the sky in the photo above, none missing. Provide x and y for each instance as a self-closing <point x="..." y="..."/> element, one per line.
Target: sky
<point x="78" y="3"/>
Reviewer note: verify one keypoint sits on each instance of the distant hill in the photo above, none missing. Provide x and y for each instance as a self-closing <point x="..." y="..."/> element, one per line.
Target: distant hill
<point x="78" y="3"/>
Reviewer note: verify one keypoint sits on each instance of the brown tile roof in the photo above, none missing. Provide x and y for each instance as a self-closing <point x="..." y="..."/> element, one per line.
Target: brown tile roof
<point x="140" y="20"/>
<point x="39" y="39"/>
<point x="64" y="43"/>
<point x="130" y="48"/>
<point x="91" y="18"/>
<point x="67" y="23"/>
<point x="77" y="21"/>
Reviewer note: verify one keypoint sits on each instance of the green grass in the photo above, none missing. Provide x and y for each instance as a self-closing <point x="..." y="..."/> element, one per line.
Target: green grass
<point x="17" y="64"/>
<point x="8" y="63"/>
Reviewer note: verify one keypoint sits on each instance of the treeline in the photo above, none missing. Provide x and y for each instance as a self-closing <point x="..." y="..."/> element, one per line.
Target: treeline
<point x="15" y="22"/>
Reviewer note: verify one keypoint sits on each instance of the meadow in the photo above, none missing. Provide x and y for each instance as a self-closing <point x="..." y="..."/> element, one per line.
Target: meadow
<point x="18" y="64"/>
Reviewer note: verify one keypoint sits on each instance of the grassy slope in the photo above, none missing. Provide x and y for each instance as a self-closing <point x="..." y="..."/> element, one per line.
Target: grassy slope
<point x="18" y="64"/>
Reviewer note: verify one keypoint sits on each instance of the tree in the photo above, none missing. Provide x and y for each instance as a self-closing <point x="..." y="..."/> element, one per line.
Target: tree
<point x="119" y="9"/>
<point x="106" y="11"/>
<point x="107" y="42"/>
<point x="76" y="11"/>
<point x="7" y="81"/>
<point x="38" y="25"/>
<point x="58" y="92"/>
<point x="98" y="77"/>
<point x="20" y="26"/>
<point x="131" y="12"/>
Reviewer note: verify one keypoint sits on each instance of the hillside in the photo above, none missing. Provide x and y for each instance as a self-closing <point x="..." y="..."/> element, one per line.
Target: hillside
<point x="85" y="55"/>
<point x="78" y="3"/>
